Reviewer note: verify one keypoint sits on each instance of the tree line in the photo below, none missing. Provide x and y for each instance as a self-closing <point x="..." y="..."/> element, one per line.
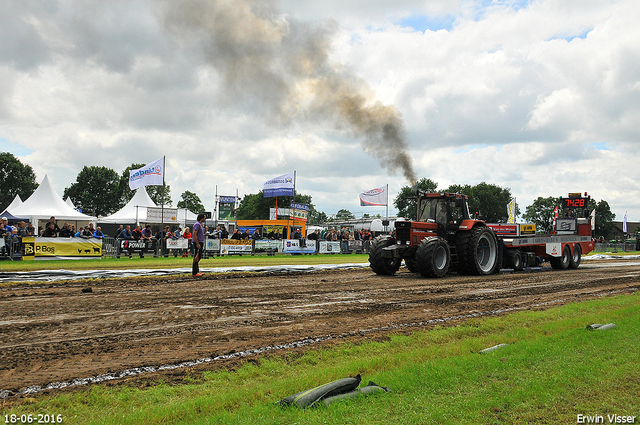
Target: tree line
<point x="100" y="191"/>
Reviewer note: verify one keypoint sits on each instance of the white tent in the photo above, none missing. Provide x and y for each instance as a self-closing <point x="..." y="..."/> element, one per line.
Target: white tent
<point x="134" y="212"/>
<point x="70" y="202"/>
<point x="45" y="203"/>
<point x="15" y="203"/>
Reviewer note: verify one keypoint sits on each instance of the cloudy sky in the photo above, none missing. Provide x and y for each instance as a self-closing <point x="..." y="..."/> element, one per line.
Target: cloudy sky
<point x="542" y="97"/>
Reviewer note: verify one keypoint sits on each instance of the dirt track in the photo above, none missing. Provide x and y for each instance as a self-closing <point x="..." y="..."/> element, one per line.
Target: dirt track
<point x="57" y="333"/>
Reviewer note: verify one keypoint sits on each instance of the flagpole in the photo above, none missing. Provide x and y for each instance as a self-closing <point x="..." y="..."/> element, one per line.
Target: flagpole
<point x="387" y="217"/>
<point x="292" y="221"/>
<point x="164" y="166"/>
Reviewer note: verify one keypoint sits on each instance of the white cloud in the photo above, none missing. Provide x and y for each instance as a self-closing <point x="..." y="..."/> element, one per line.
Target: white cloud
<point x="519" y="94"/>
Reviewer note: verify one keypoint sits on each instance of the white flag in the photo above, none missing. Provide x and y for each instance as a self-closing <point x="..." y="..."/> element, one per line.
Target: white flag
<point x="283" y="185"/>
<point x="624" y="223"/>
<point x="374" y="197"/>
<point x="151" y="174"/>
<point x="593" y="219"/>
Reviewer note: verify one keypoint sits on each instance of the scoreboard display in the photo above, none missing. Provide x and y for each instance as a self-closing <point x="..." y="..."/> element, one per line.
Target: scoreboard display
<point x="575" y="203"/>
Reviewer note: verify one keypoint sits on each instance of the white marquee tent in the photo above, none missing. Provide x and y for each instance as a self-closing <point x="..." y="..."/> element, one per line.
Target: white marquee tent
<point x="134" y="212"/>
<point x="45" y="203"/>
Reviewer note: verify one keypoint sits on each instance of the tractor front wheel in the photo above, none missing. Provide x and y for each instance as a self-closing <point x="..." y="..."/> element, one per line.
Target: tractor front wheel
<point x="433" y="257"/>
<point x="379" y="264"/>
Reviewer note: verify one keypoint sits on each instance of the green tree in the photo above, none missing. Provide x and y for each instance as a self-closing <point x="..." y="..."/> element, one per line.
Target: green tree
<point x="161" y="195"/>
<point x="344" y="215"/>
<point x="256" y="207"/>
<point x="487" y="201"/>
<point x="317" y="217"/>
<point x="406" y="202"/>
<point x="191" y="201"/>
<point x="541" y="213"/>
<point x="16" y="178"/>
<point x="604" y="219"/>
<point x="96" y="191"/>
<point x="490" y="201"/>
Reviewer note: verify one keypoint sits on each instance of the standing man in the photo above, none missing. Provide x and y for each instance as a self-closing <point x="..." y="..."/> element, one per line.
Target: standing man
<point x="198" y="244"/>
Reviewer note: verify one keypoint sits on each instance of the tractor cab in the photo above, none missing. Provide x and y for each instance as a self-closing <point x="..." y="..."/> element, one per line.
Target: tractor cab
<point x="443" y="208"/>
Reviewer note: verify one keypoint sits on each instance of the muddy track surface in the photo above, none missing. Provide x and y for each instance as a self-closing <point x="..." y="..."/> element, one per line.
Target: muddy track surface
<point x="58" y="333"/>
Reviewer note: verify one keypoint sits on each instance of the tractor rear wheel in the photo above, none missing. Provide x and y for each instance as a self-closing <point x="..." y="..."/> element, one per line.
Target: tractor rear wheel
<point x="561" y="263"/>
<point x="514" y="260"/>
<point x="576" y="257"/>
<point x="379" y="264"/>
<point x="433" y="257"/>
<point x="477" y="251"/>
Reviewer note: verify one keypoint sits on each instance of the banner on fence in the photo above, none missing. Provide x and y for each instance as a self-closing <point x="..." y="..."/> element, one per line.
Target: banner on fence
<point x="293" y="246"/>
<point x="355" y="245"/>
<point x="135" y="245"/>
<point x="212" y="245"/>
<point x="267" y="245"/>
<point x="178" y="243"/>
<point x="234" y="246"/>
<point x="61" y="247"/>
<point x="329" y="247"/>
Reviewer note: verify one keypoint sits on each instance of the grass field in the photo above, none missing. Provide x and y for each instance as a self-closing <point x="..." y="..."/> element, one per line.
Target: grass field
<point x="552" y="370"/>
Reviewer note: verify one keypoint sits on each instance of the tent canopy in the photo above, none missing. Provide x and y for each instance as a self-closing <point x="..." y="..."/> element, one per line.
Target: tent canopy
<point x="45" y="203"/>
<point x="15" y="203"/>
<point x="134" y="212"/>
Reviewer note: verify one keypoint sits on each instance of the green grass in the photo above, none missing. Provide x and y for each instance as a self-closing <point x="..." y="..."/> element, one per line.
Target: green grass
<point x="149" y="262"/>
<point x="552" y="370"/>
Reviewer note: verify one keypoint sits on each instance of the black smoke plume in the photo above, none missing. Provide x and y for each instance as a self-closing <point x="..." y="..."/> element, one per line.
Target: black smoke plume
<point x="284" y="65"/>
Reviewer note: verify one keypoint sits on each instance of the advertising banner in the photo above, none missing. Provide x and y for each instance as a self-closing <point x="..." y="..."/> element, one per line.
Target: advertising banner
<point x="282" y="212"/>
<point x="511" y="211"/>
<point x="226" y="211"/>
<point x="503" y="229"/>
<point x="162" y="215"/>
<point x="374" y="197"/>
<point x="299" y="211"/>
<point x="135" y="245"/>
<point x="227" y="200"/>
<point x="329" y="247"/>
<point x="355" y="245"/>
<point x="233" y="246"/>
<point x="268" y="229"/>
<point x="212" y="245"/>
<point x="527" y="229"/>
<point x="178" y="243"/>
<point x="263" y="245"/>
<point x="278" y="186"/>
<point x="293" y="246"/>
<point x="151" y="174"/>
<point x="61" y="247"/>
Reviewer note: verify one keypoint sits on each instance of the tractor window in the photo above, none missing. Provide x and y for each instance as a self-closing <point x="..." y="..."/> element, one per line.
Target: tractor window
<point x="456" y="212"/>
<point x="428" y="210"/>
<point x="441" y="213"/>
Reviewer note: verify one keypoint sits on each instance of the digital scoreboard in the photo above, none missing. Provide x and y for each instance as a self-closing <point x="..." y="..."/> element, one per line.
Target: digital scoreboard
<point x="575" y="202"/>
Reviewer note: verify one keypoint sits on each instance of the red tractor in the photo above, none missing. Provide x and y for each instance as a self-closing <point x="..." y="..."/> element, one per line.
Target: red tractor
<point x="444" y="238"/>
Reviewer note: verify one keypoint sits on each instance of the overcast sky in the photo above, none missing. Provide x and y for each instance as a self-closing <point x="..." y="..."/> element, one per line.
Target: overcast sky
<point x="542" y="97"/>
